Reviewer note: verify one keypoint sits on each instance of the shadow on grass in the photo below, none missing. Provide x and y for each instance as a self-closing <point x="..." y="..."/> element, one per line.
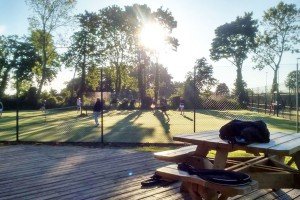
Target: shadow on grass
<point x="125" y="130"/>
<point x="73" y="130"/>
<point x="188" y="118"/>
<point x="164" y="123"/>
<point x="275" y="122"/>
<point x="7" y="128"/>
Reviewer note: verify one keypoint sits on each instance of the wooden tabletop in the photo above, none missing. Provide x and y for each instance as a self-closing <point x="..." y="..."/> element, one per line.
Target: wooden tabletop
<point x="280" y="143"/>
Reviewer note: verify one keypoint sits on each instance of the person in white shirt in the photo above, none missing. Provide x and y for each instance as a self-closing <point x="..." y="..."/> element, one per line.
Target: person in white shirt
<point x="79" y="103"/>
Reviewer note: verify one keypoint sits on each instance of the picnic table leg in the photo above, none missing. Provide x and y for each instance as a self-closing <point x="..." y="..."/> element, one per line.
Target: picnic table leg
<point x="220" y="159"/>
<point x="296" y="158"/>
<point x="201" y="151"/>
<point x="279" y="158"/>
<point x="207" y="194"/>
<point x="192" y="189"/>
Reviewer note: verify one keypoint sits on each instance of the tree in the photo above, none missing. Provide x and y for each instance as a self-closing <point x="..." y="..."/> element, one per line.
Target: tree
<point x="47" y="17"/>
<point x="222" y="90"/>
<point x="7" y="47"/>
<point x="290" y="81"/>
<point x="45" y="75"/>
<point x="84" y="49"/>
<point x="115" y="36"/>
<point x="204" y="75"/>
<point x="166" y="87"/>
<point x="136" y="17"/>
<point x="280" y="34"/>
<point x="190" y="93"/>
<point x="25" y="60"/>
<point x="197" y="83"/>
<point x="17" y="59"/>
<point x="233" y="42"/>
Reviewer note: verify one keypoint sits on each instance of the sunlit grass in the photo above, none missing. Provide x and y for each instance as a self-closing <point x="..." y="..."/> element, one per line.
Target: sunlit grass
<point x="124" y="126"/>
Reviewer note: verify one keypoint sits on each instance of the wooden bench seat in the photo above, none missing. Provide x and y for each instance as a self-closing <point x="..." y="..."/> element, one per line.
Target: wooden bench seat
<point x="176" y="155"/>
<point x="186" y="155"/>
<point x="171" y="172"/>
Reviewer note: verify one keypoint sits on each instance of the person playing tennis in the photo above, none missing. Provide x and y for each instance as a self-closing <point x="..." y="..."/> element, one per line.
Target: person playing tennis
<point x="98" y="107"/>
<point x="181" y="106"/>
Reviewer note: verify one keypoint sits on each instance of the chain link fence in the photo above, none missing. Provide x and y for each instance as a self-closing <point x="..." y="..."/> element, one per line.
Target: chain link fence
<point x="125" y="121"/>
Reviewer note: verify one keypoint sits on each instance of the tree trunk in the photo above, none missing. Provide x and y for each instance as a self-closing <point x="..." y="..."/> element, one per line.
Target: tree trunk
<point x="142" y="63"/>
<point x="4" y="81"/>
<point x="83" y="77"/>
<point x="141" y="84"/>
<point x="156" y="84"/>
<point x="82" y="89"/>
<point x="240" y="90"/>
<point x="118" y="80"/>
<point x="274" y="83"/>
<point x="44" y="64"/>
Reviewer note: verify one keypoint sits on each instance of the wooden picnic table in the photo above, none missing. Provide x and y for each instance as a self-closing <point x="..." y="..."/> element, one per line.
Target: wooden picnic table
<point x="266" y="167"/>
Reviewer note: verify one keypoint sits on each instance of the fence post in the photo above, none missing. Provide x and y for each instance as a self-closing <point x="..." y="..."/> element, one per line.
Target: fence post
<point x="266" y="103"/>
<point x="195" y="100"/>
<point x="258" y="102"/>
<point x="17" y="114"/>
<point x="290" y="107"/>
<point x="101" y="86"/>
<point x="252" y="101"/>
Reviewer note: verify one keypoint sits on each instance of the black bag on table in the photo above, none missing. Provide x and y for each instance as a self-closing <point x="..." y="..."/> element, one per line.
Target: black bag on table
<point x="245" y="132"/>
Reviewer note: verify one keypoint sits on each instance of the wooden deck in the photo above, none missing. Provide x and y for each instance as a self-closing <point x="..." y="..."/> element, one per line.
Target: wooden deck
<point x="68" y="172"/>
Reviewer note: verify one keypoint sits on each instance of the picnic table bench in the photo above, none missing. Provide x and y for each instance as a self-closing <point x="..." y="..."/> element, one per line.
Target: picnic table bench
<point x="266" y="167"/>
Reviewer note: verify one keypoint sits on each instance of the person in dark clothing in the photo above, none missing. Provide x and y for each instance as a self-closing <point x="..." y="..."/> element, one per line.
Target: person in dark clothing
<point x="163" y="107"/>
<point x="98" y="107"/>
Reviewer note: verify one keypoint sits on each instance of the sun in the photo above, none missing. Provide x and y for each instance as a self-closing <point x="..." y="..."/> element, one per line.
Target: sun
<point x="153" y="36"/>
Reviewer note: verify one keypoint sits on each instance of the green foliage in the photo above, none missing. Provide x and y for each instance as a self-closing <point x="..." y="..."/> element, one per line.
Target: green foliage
<point x="175" y="100"/>
<point x="52" y="102"/>
<point x="280" y="34"/>
<point x="147" y="103"/>
<point x="84" y="50"/>
<point x="240" y="93"/>
<point x="17" y="58"/>
<point x="220" y="103"/>
<point x="222" y="90"/>
<point x="233" y="42"/>
<point x="290" y="81"/>
<point x="191" y="95"/>
<point x="45" y="43"/>
<point x="204" y="75"/>
<point x="136" y="16"/>
<point x="124" y="104"/>
<point x="29" y="99"/>
<point x="93" y="78"/>
<point x="46" y="17"/>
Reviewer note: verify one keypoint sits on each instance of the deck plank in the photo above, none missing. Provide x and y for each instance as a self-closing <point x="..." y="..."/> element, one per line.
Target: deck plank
<point x="70" y="172"/>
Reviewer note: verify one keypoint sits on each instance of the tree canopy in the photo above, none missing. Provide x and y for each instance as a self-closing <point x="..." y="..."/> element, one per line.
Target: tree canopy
<point x="280" y="34"/>
<point x="47" y="17"/>
<point x="234" y="41"/>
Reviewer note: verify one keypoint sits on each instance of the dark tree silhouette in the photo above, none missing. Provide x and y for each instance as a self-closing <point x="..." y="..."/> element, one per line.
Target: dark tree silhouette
<point x="233" y="42"/>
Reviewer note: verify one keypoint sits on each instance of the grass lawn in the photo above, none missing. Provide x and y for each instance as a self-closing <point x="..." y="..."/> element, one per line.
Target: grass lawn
<point x="123" y="126"/>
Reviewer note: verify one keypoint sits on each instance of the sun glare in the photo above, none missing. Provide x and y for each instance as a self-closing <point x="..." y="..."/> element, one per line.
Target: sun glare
<point x="153" y="36"/>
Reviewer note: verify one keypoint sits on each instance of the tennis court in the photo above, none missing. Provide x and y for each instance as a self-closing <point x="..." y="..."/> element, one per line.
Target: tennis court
<point x="132" y="126"/>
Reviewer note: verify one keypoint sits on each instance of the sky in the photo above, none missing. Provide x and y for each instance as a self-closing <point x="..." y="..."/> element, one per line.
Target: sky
<point x="196" y="23"/>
